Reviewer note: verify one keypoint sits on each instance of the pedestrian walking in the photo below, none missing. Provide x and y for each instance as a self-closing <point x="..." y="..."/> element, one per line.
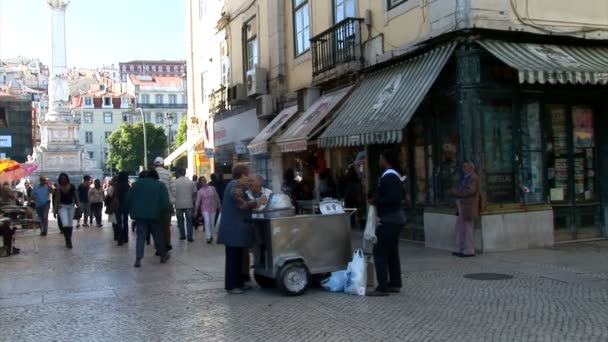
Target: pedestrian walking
<point x="207" y="204"/>
<point x="148" y="202"/>
<point x="67" y="201"/>
<point x="41" y="196"/>
<point x="167" y="179"/>
<point x="83" y="199"/>
<point x="112" y="206"/>
<point x="96" y="197"/>
<point x="185" y="194"/>
<point x="467" y="202"/>
<point x="119" y="198"/>
<point x="235" y="231"/>
<point x="388" y="198"/>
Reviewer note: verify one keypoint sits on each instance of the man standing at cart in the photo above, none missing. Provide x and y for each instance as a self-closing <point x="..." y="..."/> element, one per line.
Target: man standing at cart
<point x="235" y="232"/>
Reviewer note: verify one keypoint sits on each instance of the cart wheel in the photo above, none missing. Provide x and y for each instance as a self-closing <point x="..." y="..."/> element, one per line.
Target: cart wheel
<point x="293" y="279"/>
<point x="265" y="282"/>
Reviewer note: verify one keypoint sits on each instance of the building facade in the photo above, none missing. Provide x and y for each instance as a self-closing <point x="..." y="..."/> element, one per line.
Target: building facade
<point x="516" y="86"/>
<point x="151" y="68"/>
<point x="101" y="113"/>
<point x="163" y="100"/>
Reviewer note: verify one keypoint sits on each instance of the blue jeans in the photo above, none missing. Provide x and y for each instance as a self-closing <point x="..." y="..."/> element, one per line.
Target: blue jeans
<point x="180" y="221"/>
<point x="145" y="227"/>
<point x="43" y="214"/>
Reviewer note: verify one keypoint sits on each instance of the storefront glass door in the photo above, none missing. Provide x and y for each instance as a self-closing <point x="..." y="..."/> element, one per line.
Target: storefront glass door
<point x="571" y="171"/>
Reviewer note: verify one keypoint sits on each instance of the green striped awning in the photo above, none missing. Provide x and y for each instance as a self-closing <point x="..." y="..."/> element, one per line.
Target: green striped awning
<point x="543" y="63"/>
<point x="382" y="106"/>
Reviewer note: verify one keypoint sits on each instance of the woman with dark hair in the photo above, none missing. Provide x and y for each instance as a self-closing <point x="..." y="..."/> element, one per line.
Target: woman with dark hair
<point x="235" y="232"/>
<point x="122" y="213"/>
<point x="66" y="200"/>
<point x="391" y="219"/>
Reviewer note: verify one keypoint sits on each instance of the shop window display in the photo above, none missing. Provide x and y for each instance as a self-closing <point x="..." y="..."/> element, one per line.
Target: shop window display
<point x="584" y="150"/>
<point x="448" y="172"/>
<point x="498" y="152"/>
<point x="532" y="183"/>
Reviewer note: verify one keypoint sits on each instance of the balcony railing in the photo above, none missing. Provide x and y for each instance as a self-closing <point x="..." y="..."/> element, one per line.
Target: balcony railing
<point x="217" y="100"/>
<point x="339" y="44"/>
<point x="162" y="105"/>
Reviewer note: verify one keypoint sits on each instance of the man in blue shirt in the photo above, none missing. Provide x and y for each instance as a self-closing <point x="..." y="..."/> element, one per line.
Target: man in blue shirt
<point x="40" y="195"/>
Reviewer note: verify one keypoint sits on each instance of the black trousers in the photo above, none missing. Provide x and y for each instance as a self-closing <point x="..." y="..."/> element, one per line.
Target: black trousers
<point x="234" y="267"/>
<point x="96" y="211"/>
<point x="386" y="256"/>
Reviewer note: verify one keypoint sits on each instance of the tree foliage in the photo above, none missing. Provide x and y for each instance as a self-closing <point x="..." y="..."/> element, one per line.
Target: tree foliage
<point x="127" y="146"/>
<point x="182" y="133"/>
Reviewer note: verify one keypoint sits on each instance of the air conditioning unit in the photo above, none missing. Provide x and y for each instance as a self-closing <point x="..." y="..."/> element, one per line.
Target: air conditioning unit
<point x="265" y="106"/>
<point x="256" y="82"/>
<point x="236" y="92"/>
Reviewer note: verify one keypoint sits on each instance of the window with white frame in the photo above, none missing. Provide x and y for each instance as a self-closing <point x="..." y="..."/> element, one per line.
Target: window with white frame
<point x="148" y="116"/>
<point x="131" y="68"/>
<point x="145" y="99"/>
<point x="107" y="101"/>
<point x="160" y="118"/>
<point x="107" y="117"/>
<point x="159" y="98"/>
<point x="124" y="68"/>
<point x="394" y="3"/>
<point x="185" y="99"/>
<point x="251" y="48"/>
<point x="225" y="64"/>
<point x="107" y="134"/>
<point x="127" y="117"/>
<point x="172" y="99"/>
<point x="343" y="9"/>
<point x="301" y="26"/>
<point x="91" y="155"/>
<point x="125" y="102"/>
<point x="88" y="137"/>
<point x="88" y="102"/>
<point x="88" y="117"/>
<point x="154" y="68"/>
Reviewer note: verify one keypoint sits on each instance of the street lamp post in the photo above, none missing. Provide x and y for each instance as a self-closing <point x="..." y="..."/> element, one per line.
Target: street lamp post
<point x="169" y="123"/>
<point x="143" y="120"/>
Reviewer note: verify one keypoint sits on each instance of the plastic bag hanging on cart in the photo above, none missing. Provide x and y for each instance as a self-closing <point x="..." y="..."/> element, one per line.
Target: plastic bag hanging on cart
<point x="356" y="275"/>
<point x="370" y="227"/>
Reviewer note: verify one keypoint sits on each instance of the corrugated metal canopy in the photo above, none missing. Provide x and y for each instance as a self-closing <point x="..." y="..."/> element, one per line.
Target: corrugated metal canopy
<point x="543" y="63"/>
<point x="382" y="106"/>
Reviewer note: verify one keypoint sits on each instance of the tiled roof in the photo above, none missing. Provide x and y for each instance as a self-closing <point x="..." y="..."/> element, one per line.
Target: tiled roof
<point x="156" y="80"/>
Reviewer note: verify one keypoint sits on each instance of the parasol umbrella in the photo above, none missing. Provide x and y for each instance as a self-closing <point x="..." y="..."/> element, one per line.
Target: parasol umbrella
<point x="7" y="164"/>
<point x="17" y="172"/>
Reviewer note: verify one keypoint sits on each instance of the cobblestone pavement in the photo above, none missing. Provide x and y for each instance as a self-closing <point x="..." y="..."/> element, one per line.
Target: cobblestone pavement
<point x="93" y="293"/>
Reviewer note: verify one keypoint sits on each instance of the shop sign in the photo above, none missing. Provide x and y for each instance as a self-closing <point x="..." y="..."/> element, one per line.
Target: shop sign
<point x="6" y="141"/>
<point x="499" y="187"/>
<point x="240" y="148"/>
<point x="240" y="127"/>
<point x="3" y="155"/>
<point x="209" y="152"/>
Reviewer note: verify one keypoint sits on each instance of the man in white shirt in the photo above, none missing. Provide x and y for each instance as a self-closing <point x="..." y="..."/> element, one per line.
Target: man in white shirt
<point x="166" y="178"/>
<point x="185" y="192"/>
<point x="256" y="191"/>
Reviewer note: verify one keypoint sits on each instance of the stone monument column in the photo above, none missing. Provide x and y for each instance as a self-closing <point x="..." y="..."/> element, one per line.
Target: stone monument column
<point x="58" y="82"/>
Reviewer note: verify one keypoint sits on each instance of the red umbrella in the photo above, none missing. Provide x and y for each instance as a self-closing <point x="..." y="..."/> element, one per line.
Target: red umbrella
<point x="17" y="172"/>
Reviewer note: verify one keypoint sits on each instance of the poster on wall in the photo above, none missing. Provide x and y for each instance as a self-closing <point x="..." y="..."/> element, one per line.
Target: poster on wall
<point x="499" y="187"/>
<point x="558" y="124"/>
<point x="6" y="141"/>
<point x="582" y="120"/>
<point x="579" y="175"/>
<point x="561" y="173"/>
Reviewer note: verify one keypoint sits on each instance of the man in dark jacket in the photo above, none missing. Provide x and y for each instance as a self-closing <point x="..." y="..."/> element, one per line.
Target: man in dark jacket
<point x="391" y="216"/>
<point x="147" y="202"/>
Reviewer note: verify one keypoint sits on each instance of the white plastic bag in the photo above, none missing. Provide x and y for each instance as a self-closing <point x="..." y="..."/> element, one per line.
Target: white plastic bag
<point x="217" y="222"/>
<point x="356" y="275"/>
<point x="370" y="226"/>
<point x="335" y="283"/>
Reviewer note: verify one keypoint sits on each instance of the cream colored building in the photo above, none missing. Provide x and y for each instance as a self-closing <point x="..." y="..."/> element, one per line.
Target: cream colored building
<point x="517" y="86"/>
<point x="101" y="113"/>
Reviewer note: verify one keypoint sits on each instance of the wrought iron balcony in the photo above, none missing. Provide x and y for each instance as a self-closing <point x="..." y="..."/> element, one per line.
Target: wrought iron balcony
<point x="217" y="100"/>
<point x="163" y="105"/>
<point x="338" y="45"/>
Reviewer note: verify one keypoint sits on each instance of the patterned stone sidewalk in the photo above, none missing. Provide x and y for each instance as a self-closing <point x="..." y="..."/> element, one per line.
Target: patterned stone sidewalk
<point x="93" y="293"/>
